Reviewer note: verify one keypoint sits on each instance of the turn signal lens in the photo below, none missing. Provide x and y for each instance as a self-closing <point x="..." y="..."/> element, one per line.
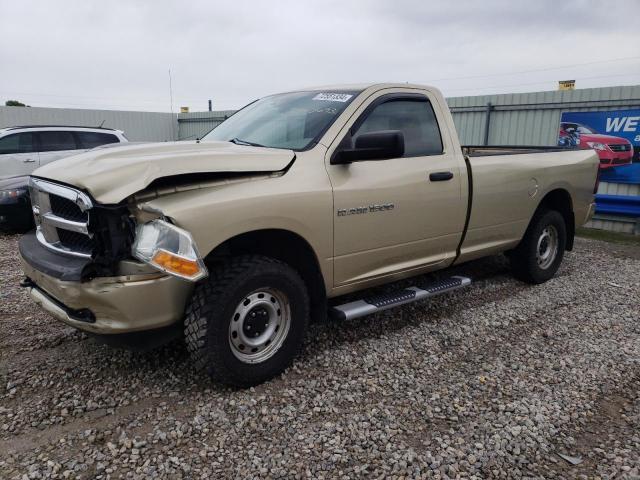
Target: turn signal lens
<point x="173" y="263"/>
<point x="169" y="249"/>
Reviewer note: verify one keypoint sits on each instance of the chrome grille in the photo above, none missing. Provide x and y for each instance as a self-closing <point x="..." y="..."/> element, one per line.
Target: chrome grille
<point x="67" y="209"/>
<point x="62" y="218"/>
<point x="75" y="242"/>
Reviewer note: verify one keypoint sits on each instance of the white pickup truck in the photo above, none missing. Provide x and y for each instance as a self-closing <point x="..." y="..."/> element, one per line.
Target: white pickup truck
<point x="239" y="239"/>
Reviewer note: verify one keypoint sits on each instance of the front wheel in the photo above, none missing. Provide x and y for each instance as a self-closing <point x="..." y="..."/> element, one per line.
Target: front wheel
<point x="247" y="321"/>
<point x="539" y="255"/>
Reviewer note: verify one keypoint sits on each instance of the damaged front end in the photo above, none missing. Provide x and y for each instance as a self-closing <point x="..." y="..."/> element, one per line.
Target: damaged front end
<point x="76" y="239"/>
<point x="80" y="268"/>
<point x="103" y="257"/>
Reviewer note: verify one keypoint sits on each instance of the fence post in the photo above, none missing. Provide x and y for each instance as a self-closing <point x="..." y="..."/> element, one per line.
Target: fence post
<point x="487" y="122"/>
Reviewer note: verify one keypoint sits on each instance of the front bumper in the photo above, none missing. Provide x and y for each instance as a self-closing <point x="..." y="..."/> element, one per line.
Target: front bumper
<point x="134" y="302"/>
<point x="610" y="159"/>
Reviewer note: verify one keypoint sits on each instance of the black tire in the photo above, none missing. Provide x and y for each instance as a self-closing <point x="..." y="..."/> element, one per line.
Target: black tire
<point x="211" y="311"/>
<point x="524" y="258"/>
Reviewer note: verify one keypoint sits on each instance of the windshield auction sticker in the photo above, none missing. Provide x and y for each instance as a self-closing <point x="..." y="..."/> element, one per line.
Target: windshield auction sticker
<point x="333" y="97"/>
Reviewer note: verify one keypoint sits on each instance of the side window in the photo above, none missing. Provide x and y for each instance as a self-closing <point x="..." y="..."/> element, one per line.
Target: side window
<point x="413" y="117"/>
<point x="17" y="143"/>
<point x="95" y="139"/>
<point x="56" y="141"/>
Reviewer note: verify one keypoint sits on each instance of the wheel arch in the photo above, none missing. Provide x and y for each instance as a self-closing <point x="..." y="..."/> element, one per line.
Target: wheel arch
<point x="283" y="245"/>
<point x="560" y="200"/>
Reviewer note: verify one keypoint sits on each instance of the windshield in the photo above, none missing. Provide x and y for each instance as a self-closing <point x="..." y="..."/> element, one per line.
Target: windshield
<point x="578" y="128"/>
<point x="289" y="120"/>
<point x="586" y="130"/>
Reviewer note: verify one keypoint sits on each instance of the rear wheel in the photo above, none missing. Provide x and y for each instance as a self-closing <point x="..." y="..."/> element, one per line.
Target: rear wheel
<point x="247" y="321"/>
<point x="539" y="255"/>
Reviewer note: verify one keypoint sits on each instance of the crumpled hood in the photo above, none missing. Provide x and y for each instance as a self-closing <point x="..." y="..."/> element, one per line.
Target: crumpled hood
<point x="112" y="174"/>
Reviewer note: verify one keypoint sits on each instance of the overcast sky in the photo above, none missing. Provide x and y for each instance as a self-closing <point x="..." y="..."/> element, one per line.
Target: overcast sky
<point x="117" y="54"/>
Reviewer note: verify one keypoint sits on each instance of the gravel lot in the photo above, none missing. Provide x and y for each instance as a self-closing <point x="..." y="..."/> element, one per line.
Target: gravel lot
<point x="492" y="381"/>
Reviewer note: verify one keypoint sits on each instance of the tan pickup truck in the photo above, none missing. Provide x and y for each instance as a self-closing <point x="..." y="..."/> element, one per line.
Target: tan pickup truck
<point x="241" y="238"/>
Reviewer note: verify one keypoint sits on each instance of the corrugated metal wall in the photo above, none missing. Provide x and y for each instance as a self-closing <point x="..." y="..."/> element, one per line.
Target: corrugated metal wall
<point x="137" y="126"/>
<point x="609" y="188"/>
<point x="532" y="118"/>
<point x="197" y="124"/>
<point x="616" y="224"/>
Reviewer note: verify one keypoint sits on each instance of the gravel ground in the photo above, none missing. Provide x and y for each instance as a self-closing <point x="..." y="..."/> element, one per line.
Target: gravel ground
<point x="492" y="381"/>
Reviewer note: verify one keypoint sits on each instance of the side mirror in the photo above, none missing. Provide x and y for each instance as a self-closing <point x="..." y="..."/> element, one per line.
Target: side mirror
<point x="380" y="145"/>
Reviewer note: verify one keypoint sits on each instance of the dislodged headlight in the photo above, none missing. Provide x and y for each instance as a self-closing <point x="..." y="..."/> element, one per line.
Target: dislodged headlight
<point x="170" y="249"/>
<point x="597" y="145"/>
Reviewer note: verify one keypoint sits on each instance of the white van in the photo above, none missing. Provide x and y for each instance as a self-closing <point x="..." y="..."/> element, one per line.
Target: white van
<point x="23" y="149"/>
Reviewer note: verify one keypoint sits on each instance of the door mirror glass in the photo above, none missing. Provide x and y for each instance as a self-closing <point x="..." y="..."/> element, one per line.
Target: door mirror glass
<point x="380" y="145"/>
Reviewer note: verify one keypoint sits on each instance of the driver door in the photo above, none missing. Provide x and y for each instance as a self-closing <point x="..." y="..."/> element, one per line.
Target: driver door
<point x="393" y="216"/>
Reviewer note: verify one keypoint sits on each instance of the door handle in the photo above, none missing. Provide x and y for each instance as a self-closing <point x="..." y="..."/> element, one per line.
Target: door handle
<point x="28" y="160"/>
<point x="440" y="176"/>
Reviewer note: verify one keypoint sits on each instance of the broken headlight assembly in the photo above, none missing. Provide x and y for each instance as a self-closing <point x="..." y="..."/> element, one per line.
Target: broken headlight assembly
<point x="169" y="249"/>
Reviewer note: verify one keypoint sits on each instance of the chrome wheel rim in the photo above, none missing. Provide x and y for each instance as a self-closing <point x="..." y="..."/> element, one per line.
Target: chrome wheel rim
<point x="547" y="248"/>
<point x="259" y="325"/>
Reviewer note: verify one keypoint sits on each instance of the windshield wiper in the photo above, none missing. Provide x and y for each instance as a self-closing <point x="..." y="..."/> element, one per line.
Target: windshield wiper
<point x="238" y="141"/>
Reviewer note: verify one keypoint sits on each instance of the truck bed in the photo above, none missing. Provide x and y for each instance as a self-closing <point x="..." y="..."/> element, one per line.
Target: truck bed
<point x="507" y="185"/>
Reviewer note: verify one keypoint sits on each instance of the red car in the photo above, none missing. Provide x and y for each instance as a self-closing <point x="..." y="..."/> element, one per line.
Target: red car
<point x="612" y="151"/>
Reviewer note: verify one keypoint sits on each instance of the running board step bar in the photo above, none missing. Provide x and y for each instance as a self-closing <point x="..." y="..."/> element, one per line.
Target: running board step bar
<point x="377" y="303"/>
